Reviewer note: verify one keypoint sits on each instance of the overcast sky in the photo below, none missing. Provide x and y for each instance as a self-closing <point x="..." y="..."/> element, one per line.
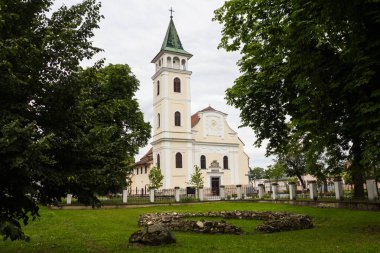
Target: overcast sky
<point x="132" y="32"/>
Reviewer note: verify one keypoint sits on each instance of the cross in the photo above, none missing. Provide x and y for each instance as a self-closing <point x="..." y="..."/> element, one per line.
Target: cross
<point x="171" y="12"/>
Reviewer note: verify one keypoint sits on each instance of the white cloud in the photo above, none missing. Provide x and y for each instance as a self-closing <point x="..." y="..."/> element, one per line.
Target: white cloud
<point x="132" y="32"/>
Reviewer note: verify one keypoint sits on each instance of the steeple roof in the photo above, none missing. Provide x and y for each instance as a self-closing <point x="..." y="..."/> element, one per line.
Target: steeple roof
<point x="171" y="42"/>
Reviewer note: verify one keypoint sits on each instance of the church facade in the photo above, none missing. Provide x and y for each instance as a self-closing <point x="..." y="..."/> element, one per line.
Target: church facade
<point x="181" y="140"/>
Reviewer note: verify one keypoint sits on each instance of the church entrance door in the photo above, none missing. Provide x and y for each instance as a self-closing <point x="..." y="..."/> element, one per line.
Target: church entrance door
<point x="215" y="183"/>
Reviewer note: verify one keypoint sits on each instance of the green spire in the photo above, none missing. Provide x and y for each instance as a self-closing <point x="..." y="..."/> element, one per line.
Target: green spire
<point x="172" y="42"/>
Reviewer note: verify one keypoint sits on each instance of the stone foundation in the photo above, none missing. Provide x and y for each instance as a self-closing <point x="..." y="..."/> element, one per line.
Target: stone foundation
<point x="274" y="221"/>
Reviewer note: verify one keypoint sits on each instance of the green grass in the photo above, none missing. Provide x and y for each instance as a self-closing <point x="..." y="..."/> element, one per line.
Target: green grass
<point x="101" y="230"/>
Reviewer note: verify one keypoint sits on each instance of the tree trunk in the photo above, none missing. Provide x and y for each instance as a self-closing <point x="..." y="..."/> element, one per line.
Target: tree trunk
<point x="324" y="186"/>
<point x="302" y="182"/>
<point x="357" y="178"/>
<point x="357" y="172"/>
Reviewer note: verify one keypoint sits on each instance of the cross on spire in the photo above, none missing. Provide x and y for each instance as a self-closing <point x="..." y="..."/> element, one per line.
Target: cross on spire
<point x="171" y="13"/>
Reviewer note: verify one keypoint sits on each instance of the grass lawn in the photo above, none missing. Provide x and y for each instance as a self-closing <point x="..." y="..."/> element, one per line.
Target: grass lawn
<point x="101" y="230"/>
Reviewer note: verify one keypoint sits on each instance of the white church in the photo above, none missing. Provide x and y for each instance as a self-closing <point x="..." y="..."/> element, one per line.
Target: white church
<point x="182" y="140"/>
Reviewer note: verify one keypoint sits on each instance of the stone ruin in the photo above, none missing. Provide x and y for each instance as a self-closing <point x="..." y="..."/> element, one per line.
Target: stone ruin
<point x="154" y="235"/>
<point x="273" y="222"/>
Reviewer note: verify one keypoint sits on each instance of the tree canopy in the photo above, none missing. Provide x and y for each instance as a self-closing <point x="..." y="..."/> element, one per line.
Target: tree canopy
<point x="314" y="64"/>
<point x="276" y="171"/>
<point x="256" y="173"/>
<point x="62" y="129"/>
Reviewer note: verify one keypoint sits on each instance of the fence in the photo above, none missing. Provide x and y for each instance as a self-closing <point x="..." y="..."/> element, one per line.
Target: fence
<point x="336" y="191"/>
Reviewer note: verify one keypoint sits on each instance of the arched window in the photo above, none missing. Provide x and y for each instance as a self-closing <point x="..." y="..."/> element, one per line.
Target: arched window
<point x="158" y="160"/>
<point x="176" y="63"/>
<point x="169" y="62"/>
<point x="183" y="64"/>
<point x="158" y="120"/>
<point x="177" y="85"/>
<point x="203" y="162"/>
<point x="178" y="160"/>
<point x="225" y="162"/>
<point x="158" y="88"/>
<point x="177" y="119"/>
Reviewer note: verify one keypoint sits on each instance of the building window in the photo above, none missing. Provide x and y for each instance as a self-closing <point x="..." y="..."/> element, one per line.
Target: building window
<point x="225" y="162"/>
<point x="203" y="162"/>
<point x="146" y="169"/>
<point x="177" y="85"/>
<point x="141" y="170"/>
<point x="169" y="62"/>
<point x="158" y="120"/>
<point x="158" y="160"/>
<point x="158" y="88"/>
<point x="178" y="160"/>
<point x="183" y="64"/>
<point x="177" y="119"/>
<point x="176" y="63"/>
<point x="137" y="171"/>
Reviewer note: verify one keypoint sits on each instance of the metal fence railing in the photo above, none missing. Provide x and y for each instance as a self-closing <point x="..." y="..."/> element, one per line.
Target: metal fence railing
<point x="138" y="196"/>
<point x="190" y="194"/>
<point x="211" y="193"/>
<point x="164" y="196"/>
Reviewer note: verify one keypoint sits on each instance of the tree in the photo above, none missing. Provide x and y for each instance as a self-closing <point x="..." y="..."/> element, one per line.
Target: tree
<point x="256" y="173"/>
<point x="276" y="171"/>
<point x="155" y="178"/>
<point x="313" y="64"/>
<point x="196" y="179"/>
<point x="293" y="158"/>
<point x="62" y="129"/>
<point x="295" y="166"/>
<point x="107" y="130"/>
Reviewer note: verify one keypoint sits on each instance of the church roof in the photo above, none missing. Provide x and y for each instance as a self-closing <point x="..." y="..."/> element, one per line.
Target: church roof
<point x="146" y="159"/>
<point x="208" y="108"/>
<point x="171" y="42"/>
<point x="195" y="117"/>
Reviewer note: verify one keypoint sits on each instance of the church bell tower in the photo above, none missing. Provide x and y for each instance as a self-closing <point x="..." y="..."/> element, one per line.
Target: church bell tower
<point x="172" y="140"/>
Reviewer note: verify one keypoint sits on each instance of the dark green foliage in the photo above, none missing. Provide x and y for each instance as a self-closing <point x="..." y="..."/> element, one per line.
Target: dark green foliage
<point x="62" y="130"/>
<point x="316" y="65"/>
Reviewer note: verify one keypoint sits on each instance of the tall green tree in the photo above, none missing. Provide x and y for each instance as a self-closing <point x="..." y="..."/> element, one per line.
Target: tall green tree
<point x="62" y="129"/>
<point x="107" y="130"/>
<point x="313" y="64"/>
